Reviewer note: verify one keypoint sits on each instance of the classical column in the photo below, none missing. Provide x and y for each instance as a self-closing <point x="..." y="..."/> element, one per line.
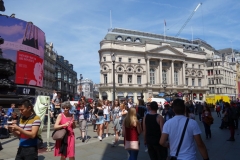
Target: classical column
<point x="147" y="71"/>
<point x="160" y="71"/>
<point x="183" y="74"/>
<point x="172" y="69"/>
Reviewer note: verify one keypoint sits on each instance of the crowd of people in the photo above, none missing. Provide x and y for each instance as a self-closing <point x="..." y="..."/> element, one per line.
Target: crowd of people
<point x="163" y="126"/>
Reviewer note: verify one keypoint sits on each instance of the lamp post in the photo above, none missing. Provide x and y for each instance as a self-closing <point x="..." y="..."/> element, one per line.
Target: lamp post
<point x="114" y="87"/>
<point x="80" y="86"/>
<point x="164" y="85"/>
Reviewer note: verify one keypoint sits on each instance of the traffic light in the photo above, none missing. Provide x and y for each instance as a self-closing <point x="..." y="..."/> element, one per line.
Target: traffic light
<point x="2" y="8"/>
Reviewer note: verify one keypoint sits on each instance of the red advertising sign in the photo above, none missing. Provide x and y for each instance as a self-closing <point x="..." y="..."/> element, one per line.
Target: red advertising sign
<point x="29" y="69"/>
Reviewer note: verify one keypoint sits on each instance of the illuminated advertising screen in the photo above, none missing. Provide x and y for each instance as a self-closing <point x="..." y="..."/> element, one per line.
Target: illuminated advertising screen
<point x="24" y="44"/>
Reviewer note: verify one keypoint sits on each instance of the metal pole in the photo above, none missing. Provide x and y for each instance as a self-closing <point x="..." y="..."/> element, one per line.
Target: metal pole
<point x="114" y="87"/>
<point x="48" y="130"/>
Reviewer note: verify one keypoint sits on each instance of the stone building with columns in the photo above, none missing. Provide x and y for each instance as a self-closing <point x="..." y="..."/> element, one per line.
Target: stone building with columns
<point x="151" y="64"/>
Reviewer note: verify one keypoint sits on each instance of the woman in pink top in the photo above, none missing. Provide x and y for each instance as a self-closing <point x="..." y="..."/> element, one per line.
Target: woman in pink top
<point x="65" y="120"/>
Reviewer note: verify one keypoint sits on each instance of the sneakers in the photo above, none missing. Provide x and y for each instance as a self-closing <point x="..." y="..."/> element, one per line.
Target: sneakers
<point x="83" y="140"/>
<point x="114" y="144"/>
<point x="100" y="138"/>
<point x="146" y="149"/>
<point x="106" y="135"/>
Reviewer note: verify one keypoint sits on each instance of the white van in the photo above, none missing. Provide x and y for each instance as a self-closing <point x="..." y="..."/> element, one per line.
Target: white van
<point x="158" y="100"/>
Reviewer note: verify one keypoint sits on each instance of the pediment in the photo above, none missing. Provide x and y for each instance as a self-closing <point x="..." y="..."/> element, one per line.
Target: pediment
<point x="167" y="50"/>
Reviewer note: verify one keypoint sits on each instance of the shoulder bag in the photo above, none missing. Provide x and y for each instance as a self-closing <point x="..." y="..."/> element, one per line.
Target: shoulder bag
<point x="59" y="133"/>
<point x="180" y="143"/>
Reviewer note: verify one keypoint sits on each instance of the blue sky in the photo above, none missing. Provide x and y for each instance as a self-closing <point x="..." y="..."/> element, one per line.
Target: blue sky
<point x="76" y="27"/>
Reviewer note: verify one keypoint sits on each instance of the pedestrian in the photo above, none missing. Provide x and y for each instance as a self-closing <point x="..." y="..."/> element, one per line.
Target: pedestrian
<point x="131" y="131"/>
<point x="10" y="110"/>
<point x="218" y="109"/>
<point x="26" y="131"/>
<point x="167" y="112"/>
<point x="200" y="109"/>
<point x="65" y="120"/>
<point x="152" y="130"/>
<point x="106" y="112"/>
<point x="116" y="121"/>
<point x="172" y="132"/>
<point x="231" y="117"/>
<point x="207" y="121"/>
<point x="57" y="104"/>
<point x="99" y="119"/>
<point x="82" y="119"/>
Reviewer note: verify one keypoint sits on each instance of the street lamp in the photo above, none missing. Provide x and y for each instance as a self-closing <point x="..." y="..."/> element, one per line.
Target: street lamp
<point x="2" y="7"/>
<point x="164" y="85"/>
<point x="80" y="86"/>
<point x="114" y="87"/>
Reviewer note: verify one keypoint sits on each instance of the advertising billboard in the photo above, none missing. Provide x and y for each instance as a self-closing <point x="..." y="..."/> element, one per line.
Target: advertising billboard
<point x="24" y="44"/>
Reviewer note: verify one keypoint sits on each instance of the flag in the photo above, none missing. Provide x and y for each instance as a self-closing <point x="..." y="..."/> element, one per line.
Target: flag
<point x="165" y="23"/>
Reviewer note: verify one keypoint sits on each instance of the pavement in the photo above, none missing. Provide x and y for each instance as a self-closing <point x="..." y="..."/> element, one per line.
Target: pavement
<point x="218" y="148"/>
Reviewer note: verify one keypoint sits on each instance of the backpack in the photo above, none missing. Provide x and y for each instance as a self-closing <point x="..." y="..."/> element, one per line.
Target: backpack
<point x="4" y="133"/>
<point x="233" y="113"/>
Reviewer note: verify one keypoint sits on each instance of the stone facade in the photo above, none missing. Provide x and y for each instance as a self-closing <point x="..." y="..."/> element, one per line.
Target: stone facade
<point x="149" y="64"/>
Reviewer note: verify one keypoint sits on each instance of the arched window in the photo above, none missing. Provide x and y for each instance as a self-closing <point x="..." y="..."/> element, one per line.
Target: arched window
<point x="128" y="39"/>
<point x="137" y="40"/>
<point x="152" y="76"/>
<point x="119" y="38"/>
<point x="175" y="77"/>
<point x="164" y="76"/>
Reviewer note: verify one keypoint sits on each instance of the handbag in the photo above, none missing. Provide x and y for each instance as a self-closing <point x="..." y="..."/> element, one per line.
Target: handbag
<point x="131" y="145"/>
<point x="180" y="142"/>
<point x="59" y="134"/>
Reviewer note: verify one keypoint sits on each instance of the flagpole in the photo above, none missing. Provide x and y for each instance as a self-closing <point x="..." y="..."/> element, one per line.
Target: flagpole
<point x="164" y="30"/>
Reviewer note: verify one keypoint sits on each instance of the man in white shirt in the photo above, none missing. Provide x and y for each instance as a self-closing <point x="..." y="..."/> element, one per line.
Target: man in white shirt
<point x="172" y="131"/>
<point x="130" y="103"/>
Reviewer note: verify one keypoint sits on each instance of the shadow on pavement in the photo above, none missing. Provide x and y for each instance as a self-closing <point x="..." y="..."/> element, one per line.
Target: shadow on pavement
<point x="41" y="157"/>
<point x="12" y="139"/>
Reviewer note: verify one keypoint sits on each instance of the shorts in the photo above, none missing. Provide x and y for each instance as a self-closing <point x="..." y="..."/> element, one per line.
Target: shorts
<point x="106" y="117"/>
<point x="82" y="124"/>
<point x="27" y="153"/>
<point x="100" y="120"/>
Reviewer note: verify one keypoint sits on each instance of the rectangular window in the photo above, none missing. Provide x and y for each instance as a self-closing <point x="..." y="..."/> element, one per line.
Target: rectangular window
<point x="164" y="76"/>
<point x="129" y="60"/>
<point x="199" y="66"/>
<point x="152" y="76"/>
<point x="193" y="82"/>
<point x="209" y="80"/>
<point x="175" y="78"/>
<point x="59" y="85"/>
<point x="139" y="78"/>
<point x="139" y="60"/>
<point x="104" y="59"/>
<point x="129" y="78"/>
<point x="192" y="65"/>
<point x="119" y="78"/>
<point x="220" y="90"/>
<point x="120" y="59"/>
<point x="186" y="81"/>
<point x="152" y="63"/>
<point x="199" y="82"/>
<point x="59" y="75"/>
<point x="105" y="79"/>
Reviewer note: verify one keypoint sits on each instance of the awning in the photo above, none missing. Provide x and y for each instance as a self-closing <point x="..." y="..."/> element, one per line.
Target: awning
<point x="161" y="94"/>
<point x="120" y="94"/>
<point x="194" y="95"/>
<point x="130" y="94"/>
<point x="104" y="94"/>
<point x="139" y="94"/>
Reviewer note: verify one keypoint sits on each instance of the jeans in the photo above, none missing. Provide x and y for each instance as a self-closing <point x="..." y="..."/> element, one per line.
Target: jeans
<point x="200" y="116"/>
<point x="207" y="130"/>
<point x="133" y="154"/>
<point x="27" y="153"/>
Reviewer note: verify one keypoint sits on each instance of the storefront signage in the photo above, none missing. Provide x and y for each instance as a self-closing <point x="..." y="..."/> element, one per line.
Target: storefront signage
<point x="26" y="91"/>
